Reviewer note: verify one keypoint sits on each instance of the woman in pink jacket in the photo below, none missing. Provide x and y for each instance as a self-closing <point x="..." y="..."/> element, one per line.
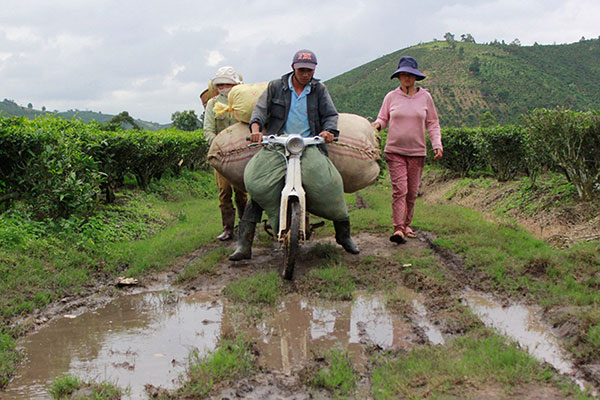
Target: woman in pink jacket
<point x="408" y="112"/>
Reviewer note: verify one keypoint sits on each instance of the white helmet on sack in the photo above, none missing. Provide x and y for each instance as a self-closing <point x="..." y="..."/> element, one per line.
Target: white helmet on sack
<point x="226" y="75"/>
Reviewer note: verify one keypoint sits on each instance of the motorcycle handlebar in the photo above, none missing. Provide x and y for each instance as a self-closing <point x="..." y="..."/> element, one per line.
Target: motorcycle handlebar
<point x="265" y="140"/>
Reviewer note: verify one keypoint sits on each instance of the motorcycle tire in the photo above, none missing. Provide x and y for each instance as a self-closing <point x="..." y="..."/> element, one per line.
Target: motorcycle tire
<point x="291" y="243"/>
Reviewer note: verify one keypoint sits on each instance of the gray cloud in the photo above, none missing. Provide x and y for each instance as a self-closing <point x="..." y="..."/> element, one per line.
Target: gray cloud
<point x="152" y="58"/>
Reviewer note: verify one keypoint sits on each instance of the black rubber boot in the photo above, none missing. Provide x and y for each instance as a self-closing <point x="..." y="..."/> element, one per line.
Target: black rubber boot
<point x="342" y="236"/>
<point x="243" y="251"/>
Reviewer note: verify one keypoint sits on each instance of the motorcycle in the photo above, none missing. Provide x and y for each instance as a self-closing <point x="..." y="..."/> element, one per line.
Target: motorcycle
<point x="293" y="226"/>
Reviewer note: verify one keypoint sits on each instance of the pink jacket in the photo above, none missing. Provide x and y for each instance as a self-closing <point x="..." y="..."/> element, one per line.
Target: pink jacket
<point x="408" y="117"/>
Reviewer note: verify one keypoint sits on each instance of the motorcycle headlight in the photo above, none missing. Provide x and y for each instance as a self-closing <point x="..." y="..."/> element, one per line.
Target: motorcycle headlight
<point x="295" y="144"/>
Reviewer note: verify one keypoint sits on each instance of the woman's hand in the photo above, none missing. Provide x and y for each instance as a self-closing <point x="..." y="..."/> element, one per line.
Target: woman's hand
<point x="438" y="153"/>
<point x="376" y="125"/>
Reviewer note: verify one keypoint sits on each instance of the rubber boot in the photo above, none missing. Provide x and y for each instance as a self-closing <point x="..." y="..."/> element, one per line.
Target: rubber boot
<point x="342" y="236"/>
<point x="243" y="250"/>
<point x="228" y="218"/>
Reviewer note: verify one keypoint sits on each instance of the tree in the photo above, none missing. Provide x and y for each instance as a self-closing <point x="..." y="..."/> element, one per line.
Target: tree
<point x="30" y="106"/>
<point x="475" y="65"/>
<point x="516" y="43"/>
<point x="467" y="38"/>
<point x="450" y="40"/>
<point x="185" y="120"/>
<point x="121" y="118"/>
<point x="43" y="108"/>
<point x="487" y="120"/>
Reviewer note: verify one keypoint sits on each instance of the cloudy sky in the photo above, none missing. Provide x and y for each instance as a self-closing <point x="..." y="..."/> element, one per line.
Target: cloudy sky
<point x="152" y="58"/>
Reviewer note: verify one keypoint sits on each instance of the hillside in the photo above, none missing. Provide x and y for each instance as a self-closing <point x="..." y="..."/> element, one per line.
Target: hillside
<point x="10" y="108"/>
<point x="506" y="79"/>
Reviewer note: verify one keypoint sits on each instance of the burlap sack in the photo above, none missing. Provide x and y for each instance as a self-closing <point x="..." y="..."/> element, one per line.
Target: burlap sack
<point x="354" y="155"/>
<point x="229" y="153"/>
<point x="242" y="99"/>
<point x="356" y="152"/>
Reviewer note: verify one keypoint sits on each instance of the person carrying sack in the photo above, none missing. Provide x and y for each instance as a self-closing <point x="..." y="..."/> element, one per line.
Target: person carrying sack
<point x="294" y="104"/>
<point x="225" y="78"/>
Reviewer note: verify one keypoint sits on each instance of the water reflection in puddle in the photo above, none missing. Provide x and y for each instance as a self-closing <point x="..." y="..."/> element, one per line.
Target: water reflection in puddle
<point x="520" y="323"/>
<point x="136" y="339"/>
<point x="147" y="337"/>
<point x="300" y="328"/>
<point x="431" y="331"/>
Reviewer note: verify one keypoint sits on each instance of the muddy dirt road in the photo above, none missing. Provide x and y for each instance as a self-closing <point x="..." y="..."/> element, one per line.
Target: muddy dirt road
<point x="140" y="337"/>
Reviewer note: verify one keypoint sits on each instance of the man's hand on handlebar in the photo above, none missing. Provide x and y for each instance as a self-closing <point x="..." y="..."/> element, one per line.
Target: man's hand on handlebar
<point x="256" y="137"/>
<point x="255" y="133"/>
<point x="328" y="136"/>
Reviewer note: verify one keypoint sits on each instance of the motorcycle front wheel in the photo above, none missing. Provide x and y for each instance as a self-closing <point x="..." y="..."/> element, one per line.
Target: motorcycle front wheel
<point x="291" y="243"/>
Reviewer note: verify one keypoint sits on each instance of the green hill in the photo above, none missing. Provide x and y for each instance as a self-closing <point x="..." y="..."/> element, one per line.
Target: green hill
<point x="10" y="108"/>
<point x="506" y="79"/>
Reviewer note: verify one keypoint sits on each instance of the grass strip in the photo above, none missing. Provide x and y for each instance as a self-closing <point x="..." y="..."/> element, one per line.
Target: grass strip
<point x="264" y="288"/>
<point x="233" y="359"/>
<point x="69" y="386"/>
<point x="478" y="361"/>
<point x="339" y="377"/>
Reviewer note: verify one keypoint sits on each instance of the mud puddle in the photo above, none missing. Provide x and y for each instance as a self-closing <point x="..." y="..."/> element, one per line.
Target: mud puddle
<point x="523" y="324"/>
<point x="134" y="340"/>
<point x="147" y="337"/>
<point x="301" y="329"/>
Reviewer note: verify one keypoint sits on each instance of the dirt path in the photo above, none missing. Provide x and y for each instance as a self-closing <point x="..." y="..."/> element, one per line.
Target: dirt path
<point x="416" y="308"/>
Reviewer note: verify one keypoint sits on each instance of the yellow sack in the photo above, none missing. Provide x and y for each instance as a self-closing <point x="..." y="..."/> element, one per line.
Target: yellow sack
<point x="242" y="99"/>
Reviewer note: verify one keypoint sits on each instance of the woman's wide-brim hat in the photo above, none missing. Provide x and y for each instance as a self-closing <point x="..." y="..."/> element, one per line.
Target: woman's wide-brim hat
<point x="408" y="64"/>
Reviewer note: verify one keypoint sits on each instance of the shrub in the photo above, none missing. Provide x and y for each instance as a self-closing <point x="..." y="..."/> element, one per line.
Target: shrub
<point x="504" y="149"/>
<point x="60" y="167"/>
<point x="572" y="142"/>
<point x="44" y="163"/>
<point x="461" y="153"/>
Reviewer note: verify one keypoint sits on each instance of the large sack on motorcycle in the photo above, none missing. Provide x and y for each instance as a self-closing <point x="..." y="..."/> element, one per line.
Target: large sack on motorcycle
<point x="323" y="185"/>
<point x="229" y="153"/>
<point x="265" y="178"/>
<point x="354" y="155"/>
<point x="356" y="152"/>
<point x="242" y="99"/>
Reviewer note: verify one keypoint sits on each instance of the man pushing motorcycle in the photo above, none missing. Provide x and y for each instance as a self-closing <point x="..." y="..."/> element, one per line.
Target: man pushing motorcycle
<point x="296" y="103"/>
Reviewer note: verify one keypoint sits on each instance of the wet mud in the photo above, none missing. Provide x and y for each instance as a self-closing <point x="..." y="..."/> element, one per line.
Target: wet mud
<point x="136" y="339"/>
<point x="144" y="336"/>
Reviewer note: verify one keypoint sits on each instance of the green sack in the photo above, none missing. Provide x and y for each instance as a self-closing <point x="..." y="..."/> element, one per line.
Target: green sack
<point x="264" y="178"/>
<point x="323" y="186"/>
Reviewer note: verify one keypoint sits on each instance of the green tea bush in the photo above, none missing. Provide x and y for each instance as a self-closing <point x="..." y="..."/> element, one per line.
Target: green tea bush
<point x="43" y="161"/>
<point x="461" y="152"/>
<point x="572" y="142"/>
<point x="61" y="167"/>
<point x="504" y="149"/>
